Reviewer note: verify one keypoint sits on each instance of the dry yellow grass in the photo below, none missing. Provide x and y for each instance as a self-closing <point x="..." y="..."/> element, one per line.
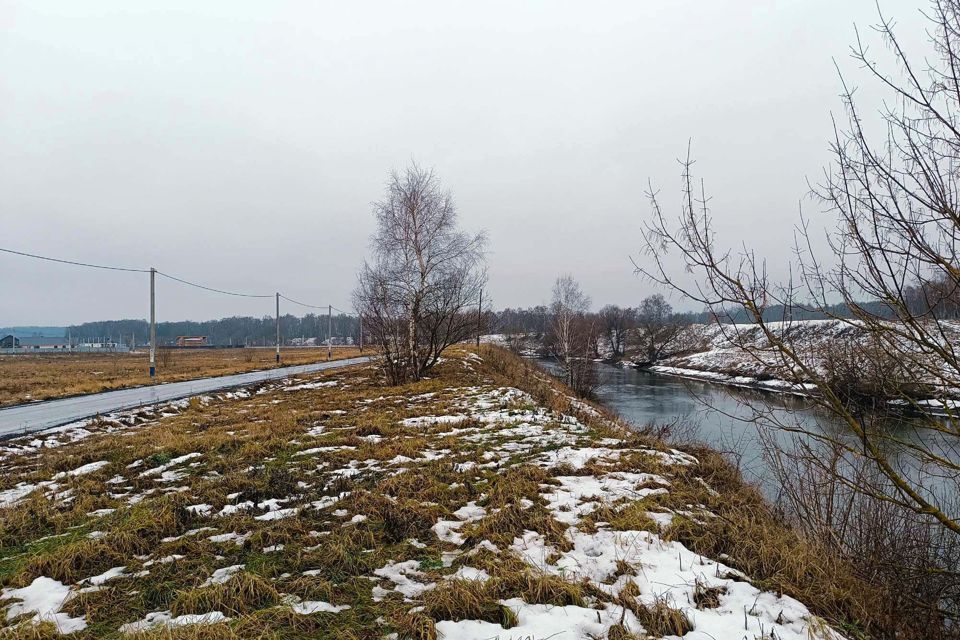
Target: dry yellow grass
<point x="29" y="377"/>
<point x="172" y="482"/>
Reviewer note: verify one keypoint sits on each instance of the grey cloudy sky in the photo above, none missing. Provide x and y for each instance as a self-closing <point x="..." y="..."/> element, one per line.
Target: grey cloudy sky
<point x="240" y="144"/>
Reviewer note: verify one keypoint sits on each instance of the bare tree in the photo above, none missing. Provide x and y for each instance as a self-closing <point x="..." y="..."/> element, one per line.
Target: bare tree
<point x="573" y="338"/>
<point x="897" y="234"/>
<point x="658" y="327"/>
<point x="617" y="323"/>
<point x="419" y="292"/>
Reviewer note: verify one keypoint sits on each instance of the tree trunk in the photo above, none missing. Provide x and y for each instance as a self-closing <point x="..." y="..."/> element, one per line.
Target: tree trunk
<point x="413" y="364"/>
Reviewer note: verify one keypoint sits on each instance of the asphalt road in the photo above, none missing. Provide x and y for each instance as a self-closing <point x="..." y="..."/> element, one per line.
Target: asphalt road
<point x="26" y="418"/>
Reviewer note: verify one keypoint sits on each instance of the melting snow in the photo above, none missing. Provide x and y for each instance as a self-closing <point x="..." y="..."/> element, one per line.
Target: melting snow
<point x="82" y="470"/>
<point x="399" y="573"/>
<point x="221" y="576"/>
<point x="43" y="598"/>
<point x="166" y="619"/>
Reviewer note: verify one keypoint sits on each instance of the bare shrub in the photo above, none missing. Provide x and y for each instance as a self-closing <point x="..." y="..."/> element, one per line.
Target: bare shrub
<point x="837" y="502"/>
<point x="616" y="323"/>
<point x="166" y="357"/>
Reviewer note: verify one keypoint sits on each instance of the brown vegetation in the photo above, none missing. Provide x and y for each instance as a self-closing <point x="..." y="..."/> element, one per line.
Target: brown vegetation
<point x="29" y="378"/>
<point x="291" y="446"/>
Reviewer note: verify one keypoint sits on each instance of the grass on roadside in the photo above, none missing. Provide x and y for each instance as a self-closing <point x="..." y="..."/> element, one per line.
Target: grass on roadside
<point x="33" y="377"/>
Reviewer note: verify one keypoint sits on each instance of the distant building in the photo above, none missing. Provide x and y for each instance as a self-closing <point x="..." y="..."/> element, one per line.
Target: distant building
<point x="191" y="341"/>
<point x="39" y="342"/>
<point x="97" y="343"/>
<point x="9" y="342"/>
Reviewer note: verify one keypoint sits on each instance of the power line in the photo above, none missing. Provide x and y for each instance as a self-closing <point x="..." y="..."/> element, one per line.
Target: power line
<point x="312" y="306"/>
<point x="304" y="304"/>
<point x="154" y="272"/>
<point x="165" y="275"/>
<point x="200" y="286"/>
<point x="79" y="264"/>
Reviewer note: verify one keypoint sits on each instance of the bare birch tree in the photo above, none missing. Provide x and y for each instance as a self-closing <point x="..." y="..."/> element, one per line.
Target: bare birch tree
<point x="573" y="338"/>
<point x="419" y="292"/>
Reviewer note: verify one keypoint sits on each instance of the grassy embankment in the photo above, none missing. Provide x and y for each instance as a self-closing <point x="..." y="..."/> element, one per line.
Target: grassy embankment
<point x="342" y="508"/>
<point x="28" y="378"/>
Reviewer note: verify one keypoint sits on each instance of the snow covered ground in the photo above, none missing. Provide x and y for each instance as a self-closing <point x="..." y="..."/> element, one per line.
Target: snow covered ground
<point x="379" y="508"/>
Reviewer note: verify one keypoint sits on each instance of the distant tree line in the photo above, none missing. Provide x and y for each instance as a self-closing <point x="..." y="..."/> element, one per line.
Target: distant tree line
<point x="236" y="330"/>
<point x="537" y="319"/>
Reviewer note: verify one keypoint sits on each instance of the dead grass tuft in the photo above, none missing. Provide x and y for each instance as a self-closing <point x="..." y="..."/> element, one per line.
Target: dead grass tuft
<point x="511" y="521"/>
<point x="659" y="618"/>
<point x="467" y="600"/>
<point x="538" y="588"/>
<point x="707" y="597"/>
<point x="620" y="632"/>
<point x="34" y="517"/>
<point x="517" y="483"/>
<point x="139" y="529"/>
<point x="345" y="553"/>
<point x="71" y="562"/>
<point x="397" y="519"/>
<point x="243" y="593"/>
<point x="630" y="515"/>
<point x="30" y="631"/>
<point x="414" y="626"/>
<point x="220" y="631"/>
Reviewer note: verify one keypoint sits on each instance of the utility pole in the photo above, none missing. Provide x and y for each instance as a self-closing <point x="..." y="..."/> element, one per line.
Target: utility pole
<point x="153" y="323"/>
<point x="278" y="327"/>
<point x="329" y="330"/>
<point x="479" y="318"/>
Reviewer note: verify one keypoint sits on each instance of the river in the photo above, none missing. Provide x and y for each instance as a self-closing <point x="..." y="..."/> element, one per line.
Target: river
<point x="726" y="419"/>
<point x="720" y="416"/>
<point x="723" y="417"/>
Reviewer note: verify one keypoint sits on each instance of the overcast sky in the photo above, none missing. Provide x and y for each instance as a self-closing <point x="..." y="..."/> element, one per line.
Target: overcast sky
<point x="241" y="144"/>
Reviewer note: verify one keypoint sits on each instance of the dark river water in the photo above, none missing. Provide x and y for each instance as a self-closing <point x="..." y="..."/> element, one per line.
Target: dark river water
<point x="720" y="416"/>
<point x="723" y="417"/>
<point x="731" y="419"/>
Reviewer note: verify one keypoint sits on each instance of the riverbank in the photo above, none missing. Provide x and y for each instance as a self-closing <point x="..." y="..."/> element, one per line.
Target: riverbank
<point x="743" y="382"/>
<point x="839" y="352"/>
<point x="485" y="501"/>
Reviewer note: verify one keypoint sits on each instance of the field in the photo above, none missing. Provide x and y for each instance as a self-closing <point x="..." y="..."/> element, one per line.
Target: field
<point x="28" y="378"/>
<point x="484" y="502"/>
